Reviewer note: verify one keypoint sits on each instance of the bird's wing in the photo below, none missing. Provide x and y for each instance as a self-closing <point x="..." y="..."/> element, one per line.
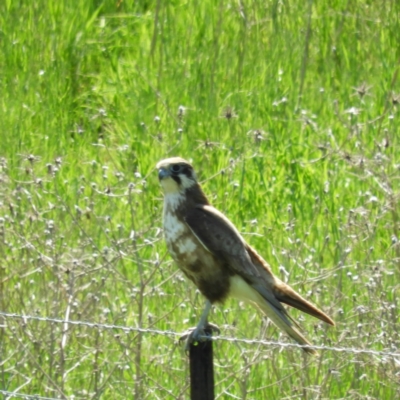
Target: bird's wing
<point x="220" y="237"/>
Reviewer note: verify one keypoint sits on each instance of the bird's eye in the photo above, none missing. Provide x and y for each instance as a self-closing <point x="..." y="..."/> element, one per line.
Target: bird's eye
<point x="176" y="168"/>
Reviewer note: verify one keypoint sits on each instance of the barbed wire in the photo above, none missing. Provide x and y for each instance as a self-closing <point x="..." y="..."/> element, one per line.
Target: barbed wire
<point x="90" y="324"/>
<point x="262" y="342"/>
<point x="10" y="395"/>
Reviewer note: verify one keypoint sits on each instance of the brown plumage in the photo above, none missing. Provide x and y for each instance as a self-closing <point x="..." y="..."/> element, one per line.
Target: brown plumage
<point x="211" y="252"/>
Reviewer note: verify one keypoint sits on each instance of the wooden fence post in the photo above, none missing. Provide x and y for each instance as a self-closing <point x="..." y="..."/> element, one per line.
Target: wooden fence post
<point x="202" y="370"/>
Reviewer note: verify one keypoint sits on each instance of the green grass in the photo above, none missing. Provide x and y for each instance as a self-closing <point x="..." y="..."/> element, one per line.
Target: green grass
<point x="307" y="167"/>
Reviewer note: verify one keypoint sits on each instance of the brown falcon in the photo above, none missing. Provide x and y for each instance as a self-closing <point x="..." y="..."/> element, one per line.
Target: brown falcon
<point x="211" y="252"/>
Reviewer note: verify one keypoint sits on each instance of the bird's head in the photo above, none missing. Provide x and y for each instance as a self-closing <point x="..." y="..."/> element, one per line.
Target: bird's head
<point x="176" y="175"/>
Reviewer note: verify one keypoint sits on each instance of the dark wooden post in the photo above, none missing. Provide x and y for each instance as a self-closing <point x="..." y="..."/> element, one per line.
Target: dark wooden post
<point x="202" y="370"/>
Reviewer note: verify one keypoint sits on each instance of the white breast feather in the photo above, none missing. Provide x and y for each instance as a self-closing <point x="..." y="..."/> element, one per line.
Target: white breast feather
<point x="186" y="246"/>
<point x="173" y="200"/>
<point x="173" y="226"/>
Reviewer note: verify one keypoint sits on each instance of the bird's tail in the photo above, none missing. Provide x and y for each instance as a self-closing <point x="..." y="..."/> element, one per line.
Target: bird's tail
<point x="272" y="292"/>
<point x="267" y="297"/>
<point x="282" y="320"/>
<point x="285" y="294"/>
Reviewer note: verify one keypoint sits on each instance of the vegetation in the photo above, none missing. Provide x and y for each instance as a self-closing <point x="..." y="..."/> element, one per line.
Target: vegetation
<point x="289" y="112"/>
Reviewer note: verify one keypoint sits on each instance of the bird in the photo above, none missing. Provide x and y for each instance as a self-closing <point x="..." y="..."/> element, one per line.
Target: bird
<point x="211" y="252"/>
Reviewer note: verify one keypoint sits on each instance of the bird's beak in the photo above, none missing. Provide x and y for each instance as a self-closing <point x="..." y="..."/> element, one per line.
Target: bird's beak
<point x="163" y="173"/>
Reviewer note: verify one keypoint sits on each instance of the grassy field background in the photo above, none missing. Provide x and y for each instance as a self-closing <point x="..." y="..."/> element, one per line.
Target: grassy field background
<point x="289" y="113"/>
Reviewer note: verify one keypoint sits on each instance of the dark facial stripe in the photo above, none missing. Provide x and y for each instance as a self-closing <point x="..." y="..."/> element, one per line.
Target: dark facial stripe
<point x="187" y="171"/>
<point x="176" y="179"/>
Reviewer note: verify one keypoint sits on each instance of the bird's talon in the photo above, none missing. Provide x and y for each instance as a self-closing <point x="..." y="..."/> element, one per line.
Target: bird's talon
<point x="213" y="328"/>
<point x="196" y="335"/>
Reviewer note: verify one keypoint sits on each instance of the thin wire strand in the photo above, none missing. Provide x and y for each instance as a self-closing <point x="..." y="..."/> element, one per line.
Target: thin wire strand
<point x="10" y="395"/>
<point x="26" y="318"/>
<point x="127" y="329"/>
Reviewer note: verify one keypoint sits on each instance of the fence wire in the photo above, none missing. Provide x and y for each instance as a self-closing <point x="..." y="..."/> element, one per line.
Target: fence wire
<point x="128" y="329"/>
<point x="9" y="395"/>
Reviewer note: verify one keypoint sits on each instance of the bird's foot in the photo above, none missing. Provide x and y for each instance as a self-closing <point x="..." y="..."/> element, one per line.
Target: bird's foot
<point x="198" y="334"/>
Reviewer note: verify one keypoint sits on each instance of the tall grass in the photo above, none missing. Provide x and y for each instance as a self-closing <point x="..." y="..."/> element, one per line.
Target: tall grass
<point x="289" y="113"/>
